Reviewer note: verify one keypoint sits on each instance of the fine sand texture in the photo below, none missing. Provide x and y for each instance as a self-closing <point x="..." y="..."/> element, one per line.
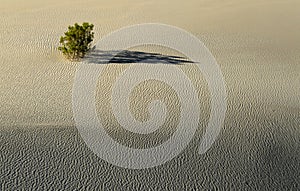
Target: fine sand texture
<point x="255" y="43"/>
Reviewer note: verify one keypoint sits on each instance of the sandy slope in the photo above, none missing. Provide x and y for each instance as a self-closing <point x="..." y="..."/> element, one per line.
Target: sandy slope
<point x="255" y="43"/>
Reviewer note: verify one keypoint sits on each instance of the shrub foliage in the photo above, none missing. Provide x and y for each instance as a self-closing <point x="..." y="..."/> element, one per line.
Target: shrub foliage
<point x="77" y="41"/>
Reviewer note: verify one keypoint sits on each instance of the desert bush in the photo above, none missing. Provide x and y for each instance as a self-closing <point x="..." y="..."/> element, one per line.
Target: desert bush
<point x="77" y="41"/>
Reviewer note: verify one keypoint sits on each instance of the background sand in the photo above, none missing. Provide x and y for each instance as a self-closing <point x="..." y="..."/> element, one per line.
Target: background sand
<point x="255" y="43"/>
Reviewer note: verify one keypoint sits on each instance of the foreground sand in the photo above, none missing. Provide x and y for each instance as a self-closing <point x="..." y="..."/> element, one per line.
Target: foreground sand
<point x="256" y="45"/>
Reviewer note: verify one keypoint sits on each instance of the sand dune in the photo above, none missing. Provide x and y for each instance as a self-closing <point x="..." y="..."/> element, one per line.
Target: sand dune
<point x="256" y="44"/>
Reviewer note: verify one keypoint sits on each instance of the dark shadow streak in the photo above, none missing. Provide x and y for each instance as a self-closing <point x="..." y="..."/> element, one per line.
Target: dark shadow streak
<point x="126" y="57"/>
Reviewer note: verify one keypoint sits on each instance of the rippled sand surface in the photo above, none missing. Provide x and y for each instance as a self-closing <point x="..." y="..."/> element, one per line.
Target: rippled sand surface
<point x="256" y="45"/>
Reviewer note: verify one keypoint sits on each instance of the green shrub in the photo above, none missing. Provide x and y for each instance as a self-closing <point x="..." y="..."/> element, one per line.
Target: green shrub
<point x="77" y="41"/>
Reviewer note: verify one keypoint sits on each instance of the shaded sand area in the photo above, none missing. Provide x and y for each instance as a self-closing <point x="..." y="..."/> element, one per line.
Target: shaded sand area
<point x="256" y="45"/>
